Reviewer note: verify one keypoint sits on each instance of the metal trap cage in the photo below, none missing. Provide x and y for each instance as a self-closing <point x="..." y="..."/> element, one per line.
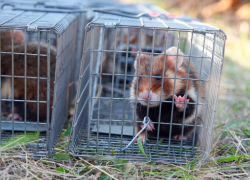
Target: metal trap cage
<point x="105" y="120"/>
<point x="113" y="107"/>
<point x="106" y="114"/>
<point x="38" y="51"/>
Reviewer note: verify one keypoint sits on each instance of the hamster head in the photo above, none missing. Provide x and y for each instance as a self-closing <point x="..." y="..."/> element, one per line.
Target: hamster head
<point x="153" y="93"/>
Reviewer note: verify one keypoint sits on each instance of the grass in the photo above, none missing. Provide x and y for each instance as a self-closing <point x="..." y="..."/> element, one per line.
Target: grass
<point x="230" y="157"/>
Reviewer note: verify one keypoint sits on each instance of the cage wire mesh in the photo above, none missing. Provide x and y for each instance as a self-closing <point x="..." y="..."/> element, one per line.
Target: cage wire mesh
<point x="38" y="50"/>
<point x="108" y="111"/>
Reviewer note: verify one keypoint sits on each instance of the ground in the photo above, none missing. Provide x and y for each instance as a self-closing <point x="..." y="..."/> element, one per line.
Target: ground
<point x="230" y="158"/>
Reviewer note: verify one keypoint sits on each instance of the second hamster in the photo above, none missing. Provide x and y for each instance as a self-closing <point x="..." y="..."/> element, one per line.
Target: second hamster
<point x="31" y="73"/>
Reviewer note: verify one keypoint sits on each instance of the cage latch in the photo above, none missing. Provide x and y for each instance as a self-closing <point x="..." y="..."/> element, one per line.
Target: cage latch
<point x="32" y="28"/>
<point x="200" y="30"/>
<point x="110" y="24"/>
<point x="146" y="121"/>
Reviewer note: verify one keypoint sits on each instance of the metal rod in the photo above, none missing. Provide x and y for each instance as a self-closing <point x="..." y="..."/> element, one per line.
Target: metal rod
<point x="0" y="87"/>
<point x="150" y="78"/>
<point x="25" y="79"/>
<point x="198" y="96"/>
<point x="38" y="85"/>
<point x="162" y="84"/>
<point x="209" y="94"/>
<point x="131" y="120"/>
<point x="112" y="88"/>
<point x="137" y="84"/>
<point x="146" y="122"/>
<point x="172" y="108"/>
<point x="133" y="52"/>
<point x="12" y="82"/>
<point x="99" y="88"/>
<point x="48" y="118"/>
<point x="90" y="82"/>
<point x="186" y="89"/>
<point x="19" y="53"/>
<point x="124" y="88"/>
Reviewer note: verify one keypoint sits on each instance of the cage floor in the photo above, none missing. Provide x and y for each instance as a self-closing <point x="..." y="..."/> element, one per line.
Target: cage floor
<point x="20" y="144"/>
<point x="166" y="152"/>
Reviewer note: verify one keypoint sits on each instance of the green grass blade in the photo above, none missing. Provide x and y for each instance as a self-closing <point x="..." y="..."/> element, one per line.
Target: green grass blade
<point x="142" y="149"/>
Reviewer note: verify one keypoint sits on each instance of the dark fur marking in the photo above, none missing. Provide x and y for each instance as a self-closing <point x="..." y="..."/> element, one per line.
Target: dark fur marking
<point x="141" y="112"/>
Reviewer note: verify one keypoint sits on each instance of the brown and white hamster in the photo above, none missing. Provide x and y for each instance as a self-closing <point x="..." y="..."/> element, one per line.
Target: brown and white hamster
<point x="143" y="94"/>
<point x="31" y="73"/>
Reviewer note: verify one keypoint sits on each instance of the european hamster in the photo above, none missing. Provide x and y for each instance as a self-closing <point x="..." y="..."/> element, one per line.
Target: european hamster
<point x="167" y="94"/>
<point x="31" y="73"/>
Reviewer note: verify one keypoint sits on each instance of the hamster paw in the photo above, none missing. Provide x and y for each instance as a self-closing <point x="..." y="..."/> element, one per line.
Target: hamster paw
<point x="142" y="138"/>
<point x="178" y="137"/>
<point x="15" y="117"/>
<point x="180" y="99"/>
<point x="150" y="126"/>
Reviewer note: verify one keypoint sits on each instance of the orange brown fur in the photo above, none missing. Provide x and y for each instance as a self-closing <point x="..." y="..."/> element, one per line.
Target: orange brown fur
<point x="157" y="68"/>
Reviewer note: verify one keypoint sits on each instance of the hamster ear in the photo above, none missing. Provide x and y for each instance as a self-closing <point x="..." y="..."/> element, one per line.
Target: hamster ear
<point x="142" y="58"/>
<point x="173" y="57"/>
<point x="18" y="36"/>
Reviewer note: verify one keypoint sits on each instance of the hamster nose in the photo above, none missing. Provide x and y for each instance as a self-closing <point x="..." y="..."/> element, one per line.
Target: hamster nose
<point x="145" y="95"/>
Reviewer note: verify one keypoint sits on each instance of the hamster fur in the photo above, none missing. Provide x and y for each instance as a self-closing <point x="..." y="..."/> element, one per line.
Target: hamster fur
<point x="31" y="71"/>
<point x="167" y="95"/>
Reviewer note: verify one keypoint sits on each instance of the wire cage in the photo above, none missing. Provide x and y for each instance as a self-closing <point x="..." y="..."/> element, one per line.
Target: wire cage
<point x="125" y="62"/>
<point x="37" y="54"/>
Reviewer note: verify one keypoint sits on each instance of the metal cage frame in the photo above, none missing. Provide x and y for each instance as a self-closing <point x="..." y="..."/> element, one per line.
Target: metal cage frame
<point x="206" y="49"/>
<point x="48" y="29"/>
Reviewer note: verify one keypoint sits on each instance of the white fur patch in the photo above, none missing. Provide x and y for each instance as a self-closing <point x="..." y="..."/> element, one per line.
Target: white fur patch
<point x="6" y="89"/>
<point x="173" y="57"/>
<point x="153" y="100"/>
<point x="192" y="94"/>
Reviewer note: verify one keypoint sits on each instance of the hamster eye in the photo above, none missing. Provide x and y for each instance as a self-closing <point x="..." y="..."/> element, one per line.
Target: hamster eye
<point x="158" y="78"/>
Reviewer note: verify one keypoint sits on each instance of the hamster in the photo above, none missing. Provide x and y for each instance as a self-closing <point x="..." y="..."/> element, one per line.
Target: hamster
<point x="31" y="71"/>
<point x="167" y="95"/>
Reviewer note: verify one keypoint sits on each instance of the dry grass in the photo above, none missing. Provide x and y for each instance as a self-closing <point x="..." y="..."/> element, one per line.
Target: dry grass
<point x="230" y="158"/>
<point x="15" y="167"/>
